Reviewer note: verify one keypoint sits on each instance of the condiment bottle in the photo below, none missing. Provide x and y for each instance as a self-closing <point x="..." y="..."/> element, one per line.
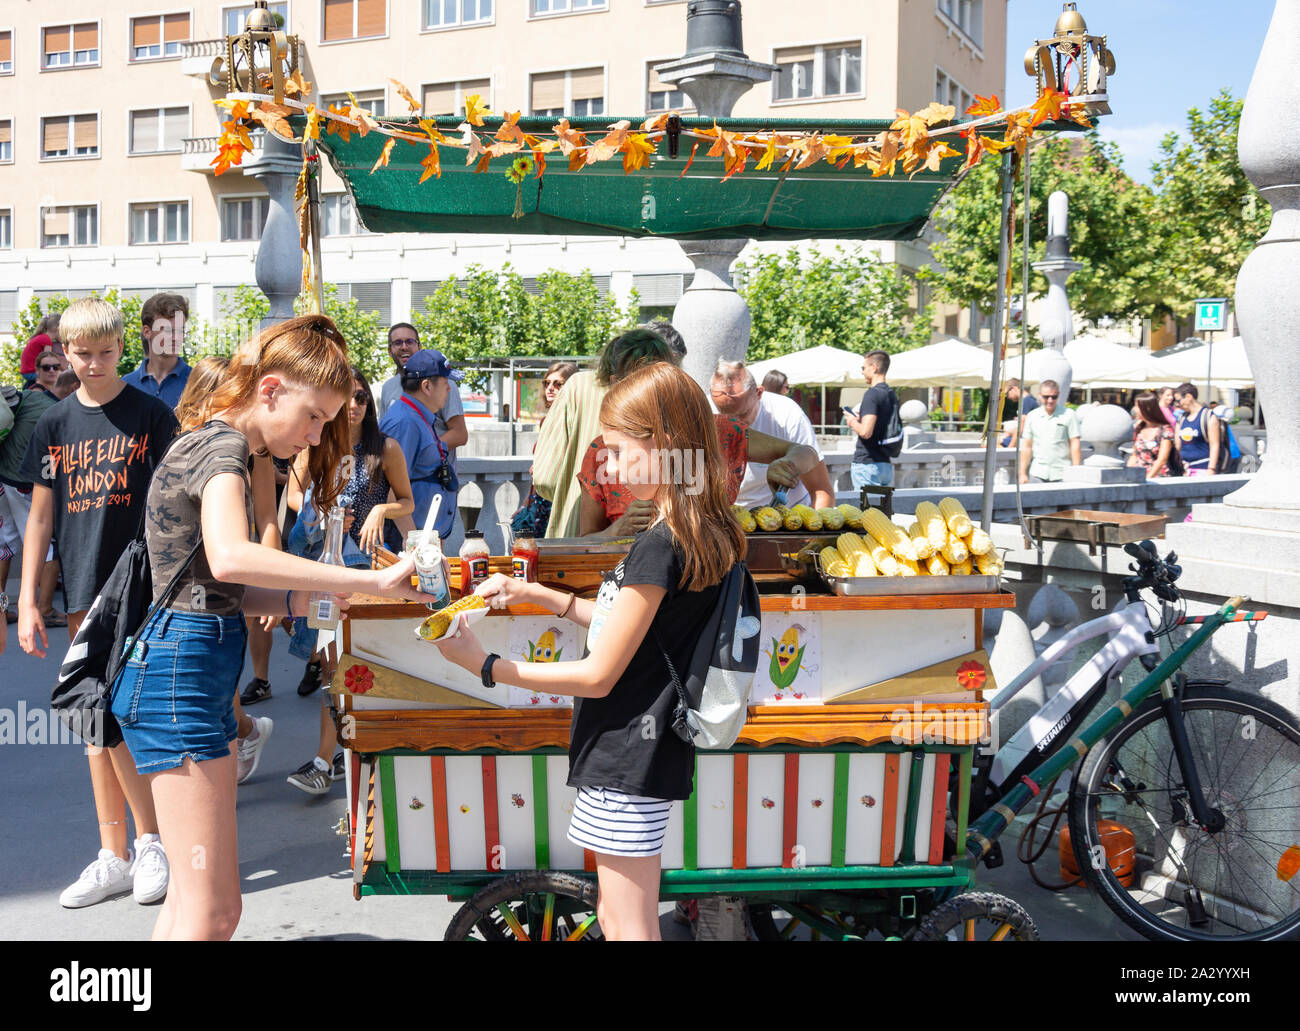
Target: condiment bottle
<point x="473" y="561"/>
<point x="523" y="558"/>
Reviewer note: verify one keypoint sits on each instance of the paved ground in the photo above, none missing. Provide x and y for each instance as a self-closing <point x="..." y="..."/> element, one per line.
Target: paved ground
<point x="295" y="879"/>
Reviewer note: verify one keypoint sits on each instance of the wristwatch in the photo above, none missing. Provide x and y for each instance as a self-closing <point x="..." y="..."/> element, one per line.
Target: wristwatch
<point x="487" y="670"/>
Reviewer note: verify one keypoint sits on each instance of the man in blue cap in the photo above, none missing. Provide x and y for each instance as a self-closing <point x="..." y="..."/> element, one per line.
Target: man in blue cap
<point x="426" y="383"/>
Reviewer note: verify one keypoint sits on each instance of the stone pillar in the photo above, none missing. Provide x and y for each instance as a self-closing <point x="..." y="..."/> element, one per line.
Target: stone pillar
<point x="279" y="255"/>
<point x="711" y="316"/>
<point x="1056" y="323"/>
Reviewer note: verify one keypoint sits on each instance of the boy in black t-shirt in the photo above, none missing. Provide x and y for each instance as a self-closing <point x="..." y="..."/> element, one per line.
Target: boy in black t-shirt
<point x="872" y="463"/>
<point x="90" y="459"/>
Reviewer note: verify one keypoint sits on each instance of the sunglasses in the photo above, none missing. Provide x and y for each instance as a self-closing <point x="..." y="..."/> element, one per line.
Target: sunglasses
<point x="1048" y="397"/>
<point x="552" y="382"/>
<point x="49" y="368"/>
<point x="361" y="397"/>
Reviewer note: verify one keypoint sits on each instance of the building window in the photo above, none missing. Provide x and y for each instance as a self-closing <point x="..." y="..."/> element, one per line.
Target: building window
<point x="447" y="99"/>
<point x="242" y="218"/>
<point x="6" y="52"/>
<point x="6" y="141"/>
<point x="6" y="229"/>
<point x="70" y="226"/>
<point x="577" y="93"/>
<point x="818" y="72"/>
<point x="69" y="45"/>
<point x="447" y="14"/>
<point x="967" y="16"/>
<point x="158" y="36"/>
<point x="354" y="19"/>
<point x="946" y="91"/>
<point x="234" y="17"/>
<point x="337" y="215"/>
<point x="158" y="129"/>
<point x="371" y="100"/>
<point x="375" y="297"/>
<point x="160" y="223"/>
<point x="568" y="6"/>
<point x="65" y="136"/>
<point x="660" y="96"/>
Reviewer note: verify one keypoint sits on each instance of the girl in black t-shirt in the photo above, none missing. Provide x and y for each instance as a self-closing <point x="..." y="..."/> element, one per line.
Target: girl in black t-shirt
<point x="624" y="757"/>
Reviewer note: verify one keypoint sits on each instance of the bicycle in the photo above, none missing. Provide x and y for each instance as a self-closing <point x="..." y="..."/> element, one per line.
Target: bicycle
<point x="1207" y="778"/>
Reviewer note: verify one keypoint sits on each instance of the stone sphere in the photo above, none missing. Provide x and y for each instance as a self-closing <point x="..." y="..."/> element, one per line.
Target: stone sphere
<point x="1108" y="424"/>
<point x="913" y="411"/>
<point x="1051" y="605"/>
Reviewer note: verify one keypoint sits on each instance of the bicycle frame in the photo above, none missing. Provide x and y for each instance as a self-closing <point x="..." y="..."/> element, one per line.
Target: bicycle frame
<point x="981" y="834"/>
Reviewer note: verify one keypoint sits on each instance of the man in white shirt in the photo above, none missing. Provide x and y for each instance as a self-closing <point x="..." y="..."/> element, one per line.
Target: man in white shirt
<point x="1050" y="438"/>
<point x="449" y="420"/>
<point x="734" y="392"/>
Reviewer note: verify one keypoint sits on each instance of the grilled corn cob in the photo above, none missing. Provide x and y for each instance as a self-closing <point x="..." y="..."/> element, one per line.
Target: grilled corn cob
<point x="906" y="567"/>
<point x="811" y="520"/>
<point x="767" y="518"/>
<point x="852" y="516"/>
<point x="790" y="519"/>
<point x="954" y="550"/>
<point x="964" y="568"/>
<point x="954" y="514"/>
<point x="988" y="564"/>
<point x="436" y="625"/>
<point x="888" y="533"/>
<point x="936" y="565"/>
<point x="744" y="518"/>
<point x="931" y="520"/>
<point x="865" y="566"/>
<point x="979" y="542"/>
<point x="833" y="563"/>
<point x="850" y="546"/>
<point x="924" y="549"/>
<point x="832" y="518"/>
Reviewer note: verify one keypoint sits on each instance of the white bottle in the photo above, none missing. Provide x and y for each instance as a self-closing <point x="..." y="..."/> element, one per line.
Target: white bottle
<point x="323" y="610"/>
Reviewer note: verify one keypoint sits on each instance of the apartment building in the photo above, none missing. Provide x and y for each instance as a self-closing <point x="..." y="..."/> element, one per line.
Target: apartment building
<point x="107" y="125"/>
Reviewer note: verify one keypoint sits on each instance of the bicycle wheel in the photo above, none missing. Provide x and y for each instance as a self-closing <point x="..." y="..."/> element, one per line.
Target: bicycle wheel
<point x="1193" y="885"/>
<point x="534" y="906"/>
<point x="968" y="918"/>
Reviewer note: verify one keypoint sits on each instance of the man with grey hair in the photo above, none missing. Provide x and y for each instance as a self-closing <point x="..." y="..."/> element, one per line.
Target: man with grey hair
<point x="1050" y="439"/>
<point x="734" y="392"/>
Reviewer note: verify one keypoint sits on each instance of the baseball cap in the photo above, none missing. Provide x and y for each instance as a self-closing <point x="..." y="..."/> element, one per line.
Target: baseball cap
<point x="426" y="364"/>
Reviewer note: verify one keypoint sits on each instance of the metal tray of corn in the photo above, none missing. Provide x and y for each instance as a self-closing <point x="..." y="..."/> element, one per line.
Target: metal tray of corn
<point x="807" y="565"/>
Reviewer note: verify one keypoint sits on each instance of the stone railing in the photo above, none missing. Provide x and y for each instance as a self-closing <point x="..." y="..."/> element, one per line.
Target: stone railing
<point x="203" y="48"/>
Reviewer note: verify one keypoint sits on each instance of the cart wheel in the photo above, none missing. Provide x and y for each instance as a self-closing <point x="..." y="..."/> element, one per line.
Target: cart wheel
<point x="532" y="906"/>
<point x="771" y="922"/>
<point x="969" y="917"/>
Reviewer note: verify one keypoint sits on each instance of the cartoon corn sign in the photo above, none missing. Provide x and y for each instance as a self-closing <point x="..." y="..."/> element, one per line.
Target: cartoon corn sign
<point x="545" y="650"/>
<point x="787" y="657"/>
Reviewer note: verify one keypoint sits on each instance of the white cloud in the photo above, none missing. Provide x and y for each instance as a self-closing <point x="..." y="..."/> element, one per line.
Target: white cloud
<point x="1140" y="145"/>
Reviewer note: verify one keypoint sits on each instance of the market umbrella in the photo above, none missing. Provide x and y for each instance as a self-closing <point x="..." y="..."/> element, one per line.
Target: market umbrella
<point x="1224" y="364"/>
<point x="945" y="363"/>
<point x="814" y="366"/>
<point x="1095" y="363"/>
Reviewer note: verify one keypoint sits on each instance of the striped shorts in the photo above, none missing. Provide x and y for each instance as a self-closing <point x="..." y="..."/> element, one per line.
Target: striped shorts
<point x="618" y="824"/>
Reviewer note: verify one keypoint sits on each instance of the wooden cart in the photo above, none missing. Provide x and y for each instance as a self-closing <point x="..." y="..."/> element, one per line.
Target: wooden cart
<point x="833" y="806"/>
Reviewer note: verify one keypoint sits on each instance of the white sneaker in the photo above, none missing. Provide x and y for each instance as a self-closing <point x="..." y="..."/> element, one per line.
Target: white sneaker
<point x="105" y="878"/>
<point x="150" y="871"/>
<point x="250" y="748"/>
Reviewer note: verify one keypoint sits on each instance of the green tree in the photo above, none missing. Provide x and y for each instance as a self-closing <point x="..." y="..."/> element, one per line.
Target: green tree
<point x="846" y="299"/>
<point x="1110" y="230"/>
<point x="1209" y="216"/>
<point x="30" y="317"/>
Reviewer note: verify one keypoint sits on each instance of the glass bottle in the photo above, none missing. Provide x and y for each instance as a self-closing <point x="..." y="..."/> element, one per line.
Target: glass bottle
<point x="323" y="609"/>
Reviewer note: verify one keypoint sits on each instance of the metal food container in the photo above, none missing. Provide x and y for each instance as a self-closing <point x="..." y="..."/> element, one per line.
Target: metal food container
<point x="806" y="565"/>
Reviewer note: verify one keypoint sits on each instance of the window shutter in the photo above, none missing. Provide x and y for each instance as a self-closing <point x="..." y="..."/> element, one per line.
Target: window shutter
<point x="85" y="36"/>
<point x="176" y="28"/>
<point x="176" y="121"/>
<point x="338" y="19"/>
<point x="483" y="87"/>
<point x="57" y="40"/>
<point x="6" y="131"/>
<point x="793" y="55"/>
<point x="377" y="297"/>
<point x="548" y="91"/>
<point x="144" y="131"/>
<point x="86" y="131"/>
<point x="54" y="134"/>
<point x="145" y="32"/>
<point x="6" y="46"/>
<point x="587" y="84"/>
<point x="371" y="17"/>
<point x="57" y="222"/>
<point x="440" y="99"/>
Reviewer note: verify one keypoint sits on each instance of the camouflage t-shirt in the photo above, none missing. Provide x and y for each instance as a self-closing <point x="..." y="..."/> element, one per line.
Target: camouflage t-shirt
<point x="172" y="524"/>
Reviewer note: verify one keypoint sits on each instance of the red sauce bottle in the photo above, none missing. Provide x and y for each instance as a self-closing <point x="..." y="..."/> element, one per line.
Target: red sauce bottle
<point x="523" y="558"/>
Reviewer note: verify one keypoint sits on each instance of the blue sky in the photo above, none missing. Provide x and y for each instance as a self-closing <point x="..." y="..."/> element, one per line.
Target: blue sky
<point x="1170" y="55"/>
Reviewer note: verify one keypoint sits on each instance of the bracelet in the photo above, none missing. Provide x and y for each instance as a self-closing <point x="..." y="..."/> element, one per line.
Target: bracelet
<point x="486" y="672"/>
<point x="565" y="611"/>
<point x="287" y="607"/>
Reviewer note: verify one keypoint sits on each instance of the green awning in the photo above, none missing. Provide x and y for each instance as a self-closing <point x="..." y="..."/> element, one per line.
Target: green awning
<point x="818" y="202"/>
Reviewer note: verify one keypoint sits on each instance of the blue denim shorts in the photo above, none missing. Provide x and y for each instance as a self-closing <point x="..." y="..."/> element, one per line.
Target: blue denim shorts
<point x="871" y="474"/>
<point x="175" y="696"/>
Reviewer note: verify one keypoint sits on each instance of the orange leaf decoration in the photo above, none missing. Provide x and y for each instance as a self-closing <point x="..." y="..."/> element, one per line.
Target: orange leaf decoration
<point x="430" y="164"/>
<point x="475" y="109"/>
<point x="984" y="106"/>
<point x="483" y="163"/>
<point x="934" y="113"/>
<point x="690" y="160"/>
<point x="312" y="131"/>
<point x="510" y="131"/>
<point x="657" y="122"/>
<point x="430" y="128"/>
<point x="577" y="161"/>
<point x="610" y="144"/>
<point x="637" y="151"/>
<point x="971" y="675"/>
<point x="1047" y="107"/>
<point x="360" y="114"/>
<point x="266" y="116"/>
<point x="567" y="138"/>
<point x="769" y="154"/>
<point x="295" y="86"/>
<point x="889" y="144"/>
<point x="382" y="160"/>
<point x="405" y="94"/>
<point x="341" y="129"/>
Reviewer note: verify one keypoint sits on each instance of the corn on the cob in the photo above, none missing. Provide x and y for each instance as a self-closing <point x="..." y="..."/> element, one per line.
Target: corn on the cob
<point x="936" y="565"/>
<point x="979" y="542"/>
<point x="881" y="556"/>
<point x="954" y="514"/>
<point x="865" y="565"/>
<point x="767" y="518"/>
<point x="954" y="550"/>
<point x="833" y="563"/>
<point x="932" y="523"/>
<point x="963" y="568"/>
<point x="924" y="549"/>
<point x="811" y="520"/>
<point x="832" y="518"/>
<point x="888" y="533"/>
<point x="906" y="567"/>
<point x="852" y="516"/>
<point x="436" y="625"/>
<point x="988" y="564"/>
<point x="850" y="546"/>
<point x="790" y="519"/>
<point x="744" y="518"/>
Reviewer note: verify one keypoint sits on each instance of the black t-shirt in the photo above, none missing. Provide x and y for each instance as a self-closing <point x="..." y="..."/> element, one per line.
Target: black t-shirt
<point x="626" y="740"/>
<point x="1027" y="405"/>
<point x="879" y="401"/>
<point x="98" y="462"/>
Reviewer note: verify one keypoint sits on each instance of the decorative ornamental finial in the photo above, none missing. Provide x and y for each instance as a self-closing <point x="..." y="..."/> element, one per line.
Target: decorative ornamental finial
<point x="1072" y="61"/>
<point x="259" y="59"/>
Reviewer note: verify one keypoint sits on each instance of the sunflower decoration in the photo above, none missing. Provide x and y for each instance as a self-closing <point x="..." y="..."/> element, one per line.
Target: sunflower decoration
<point x="518" y="172"/>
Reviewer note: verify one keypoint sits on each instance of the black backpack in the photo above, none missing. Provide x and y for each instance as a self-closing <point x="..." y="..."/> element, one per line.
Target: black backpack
<point x="892" y="441"/>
